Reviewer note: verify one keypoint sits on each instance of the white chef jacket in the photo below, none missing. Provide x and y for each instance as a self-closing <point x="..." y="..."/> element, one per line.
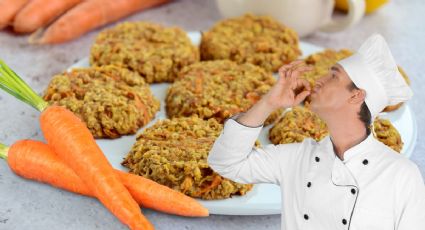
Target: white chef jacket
<point x="372" y="188"/>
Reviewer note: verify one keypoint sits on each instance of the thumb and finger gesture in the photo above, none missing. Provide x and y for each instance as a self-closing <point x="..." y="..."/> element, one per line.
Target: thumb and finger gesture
<point x="290" y="89"/>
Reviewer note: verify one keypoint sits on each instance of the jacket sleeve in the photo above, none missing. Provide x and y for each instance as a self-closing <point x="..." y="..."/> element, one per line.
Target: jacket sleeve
<point x="234" y="156"/>
<point x="411" y="200"/>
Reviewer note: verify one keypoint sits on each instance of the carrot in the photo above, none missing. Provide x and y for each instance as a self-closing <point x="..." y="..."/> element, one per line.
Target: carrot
<point x="27" y="157"/>
<point x="72" y="141"/>
<point x="69" y="137"/>
<point x="36" y="161"/>
<point x="165" y="199"/>
<point x="88" y="15"/>
<point x="39" y="13"/>
<point x="9" y="8"/>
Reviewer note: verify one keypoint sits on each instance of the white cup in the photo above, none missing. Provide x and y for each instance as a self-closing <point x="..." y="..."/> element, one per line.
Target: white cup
<point x="304" y="16"/>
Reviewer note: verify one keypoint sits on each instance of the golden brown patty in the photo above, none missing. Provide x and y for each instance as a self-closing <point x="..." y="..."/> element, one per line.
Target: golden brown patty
<point x="297" y="124"/>
<point x="112" y="101"/>
<point x="386" y="133"/>
<point x="157" y="53"/>
<point x="274" y="116"/>
<point x="174" y="153"/>
<point x="216" y="89"/>
<point x="300" y="123"/>
<point x="258" y="40"/>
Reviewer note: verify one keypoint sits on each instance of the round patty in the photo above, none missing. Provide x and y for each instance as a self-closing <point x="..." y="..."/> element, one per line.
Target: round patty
<point x="217" y="89"/>
<point x="112" y="101"/>
<point x="300" y="122"/>
<point x="386" y="133"/>
<point x="259" y="40"/>
<point x="297" y="124"/>
<point x="157" y="53"/>
<point x="173" y="152"/>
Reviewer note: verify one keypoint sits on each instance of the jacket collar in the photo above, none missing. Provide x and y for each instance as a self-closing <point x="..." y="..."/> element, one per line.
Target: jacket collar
<point x="343" y="173"/>
<point x="360" y="149"/>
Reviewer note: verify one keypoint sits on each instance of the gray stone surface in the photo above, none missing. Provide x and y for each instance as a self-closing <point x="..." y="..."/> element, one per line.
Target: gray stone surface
<point x="29" y="205"/>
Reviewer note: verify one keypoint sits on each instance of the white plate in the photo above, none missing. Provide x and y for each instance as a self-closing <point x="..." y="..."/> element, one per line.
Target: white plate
<point x="264" y="199"/>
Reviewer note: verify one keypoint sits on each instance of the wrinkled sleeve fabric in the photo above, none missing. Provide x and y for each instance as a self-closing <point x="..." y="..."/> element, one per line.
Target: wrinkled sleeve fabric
<point x="234" y="156"/>
<point x="411" y="199"/>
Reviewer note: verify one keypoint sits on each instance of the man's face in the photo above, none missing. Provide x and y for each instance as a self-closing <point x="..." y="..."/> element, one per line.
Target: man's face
<point x="331" y="92"/>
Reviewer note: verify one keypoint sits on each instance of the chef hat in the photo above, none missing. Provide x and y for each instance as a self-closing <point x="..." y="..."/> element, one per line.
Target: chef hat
<point x="374" y="70"/>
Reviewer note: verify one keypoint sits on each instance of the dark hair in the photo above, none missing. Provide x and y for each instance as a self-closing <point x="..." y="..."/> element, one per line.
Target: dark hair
<point x="364" y="113"/>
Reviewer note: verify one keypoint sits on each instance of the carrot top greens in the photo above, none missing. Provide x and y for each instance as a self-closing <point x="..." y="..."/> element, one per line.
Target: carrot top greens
<point x="3" y="151"/>
<point x="15" y="86"/>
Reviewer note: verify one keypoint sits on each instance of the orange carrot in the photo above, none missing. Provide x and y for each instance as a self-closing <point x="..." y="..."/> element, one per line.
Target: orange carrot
<point x="165" y="199"/>
<point x="36" y="161"/>
<point x="70" y="138"/>
<point x="9" y="8"/>
<point x="39" y="13"/>
<point x="72" y="141"/>
<point x="88" y="15"/>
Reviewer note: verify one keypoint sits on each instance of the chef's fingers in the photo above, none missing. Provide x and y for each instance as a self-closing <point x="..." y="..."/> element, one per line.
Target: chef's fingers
<point x="303" y="84"/>
<point x="286" y="73"/>
<point x="300" y="97"/>
<point x="296" y="74"/>
<point x="297" y="63"/>
<point x="282" y="72"/>
<point x="302" y="69"/>
<point x="284" y="68"/>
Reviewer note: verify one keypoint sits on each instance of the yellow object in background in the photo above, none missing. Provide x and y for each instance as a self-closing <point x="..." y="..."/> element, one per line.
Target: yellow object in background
<point x="371" y="5"/>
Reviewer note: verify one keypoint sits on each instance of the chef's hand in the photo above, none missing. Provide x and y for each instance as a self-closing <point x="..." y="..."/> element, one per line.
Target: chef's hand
<point x="288" y="91"/>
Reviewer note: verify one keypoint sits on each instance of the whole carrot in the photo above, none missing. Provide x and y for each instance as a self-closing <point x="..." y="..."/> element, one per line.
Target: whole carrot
<point x="165" y="199"/>
<point x="69" y="137"/>
<point x="72" y="141"/>
<point x="38" y="13"/>
<point x="9" y="8"/>
<point x="36" y="161"/>
<point x="88" y="15"/>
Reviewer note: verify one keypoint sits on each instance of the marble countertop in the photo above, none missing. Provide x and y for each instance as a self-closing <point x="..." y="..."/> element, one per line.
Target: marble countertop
<point x="30" y="205"/>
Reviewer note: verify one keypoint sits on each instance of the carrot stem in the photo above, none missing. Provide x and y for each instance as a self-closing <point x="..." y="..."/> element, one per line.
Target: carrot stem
<point x="3" y="151"/>
<point x="15" y="86"/>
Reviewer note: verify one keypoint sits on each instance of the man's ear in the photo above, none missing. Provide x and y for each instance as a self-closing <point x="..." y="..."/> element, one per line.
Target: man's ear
<point x="357" y="97"/>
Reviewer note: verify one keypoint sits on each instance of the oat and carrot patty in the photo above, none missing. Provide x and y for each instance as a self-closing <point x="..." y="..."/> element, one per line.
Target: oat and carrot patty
<point x="297" y="124"/>
<point x="112" y="101"/>
<point x="156" y="52"/>
<point x="217" y="89"/>
<point x="259" y="40"/>
<point x="386" y="133"/>
<point x="173" y="152"/>
<point x="300" y="122"/>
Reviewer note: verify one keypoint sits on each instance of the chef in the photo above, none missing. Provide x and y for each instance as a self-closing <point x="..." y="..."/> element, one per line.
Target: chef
<point x="348" y="180"/>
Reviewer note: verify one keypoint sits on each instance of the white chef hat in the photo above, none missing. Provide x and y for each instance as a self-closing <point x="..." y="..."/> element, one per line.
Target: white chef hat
<point x="373" y="69"/>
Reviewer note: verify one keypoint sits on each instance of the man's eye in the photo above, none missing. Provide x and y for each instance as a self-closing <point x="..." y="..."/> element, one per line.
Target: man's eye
<point x="333" y="75"/>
